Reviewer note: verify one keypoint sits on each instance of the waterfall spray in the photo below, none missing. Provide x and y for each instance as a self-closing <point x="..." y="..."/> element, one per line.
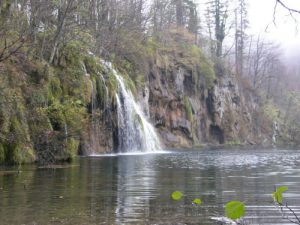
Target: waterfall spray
<point x="136" y="134"/>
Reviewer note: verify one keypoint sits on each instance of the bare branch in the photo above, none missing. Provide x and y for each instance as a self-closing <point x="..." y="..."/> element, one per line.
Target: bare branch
<point x="291" y="210"/>
<point x="274" y="13"/>
<point x="291" y="10"/>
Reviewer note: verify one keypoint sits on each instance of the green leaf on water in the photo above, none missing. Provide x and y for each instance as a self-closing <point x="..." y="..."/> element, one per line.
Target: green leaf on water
<point x="278" y="194"/>
<point x="235" y="210"/>
<point x="177" y="195"/>
<point x="197" y="201"/>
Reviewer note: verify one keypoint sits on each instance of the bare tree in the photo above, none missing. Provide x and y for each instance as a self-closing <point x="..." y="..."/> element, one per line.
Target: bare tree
<point x="13" y="33"/>
<point x="241" y="24"/>
<point x="218" y="14"/>
<point x="263" y="56"/>
<point x="64" y="9"/>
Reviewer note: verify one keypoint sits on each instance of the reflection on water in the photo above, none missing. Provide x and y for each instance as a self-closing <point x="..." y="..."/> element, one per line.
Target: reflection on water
<point x="136" y="189"/>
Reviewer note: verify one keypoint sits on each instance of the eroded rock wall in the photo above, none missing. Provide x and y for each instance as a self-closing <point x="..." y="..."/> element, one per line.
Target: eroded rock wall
<point x="188" y="114"/>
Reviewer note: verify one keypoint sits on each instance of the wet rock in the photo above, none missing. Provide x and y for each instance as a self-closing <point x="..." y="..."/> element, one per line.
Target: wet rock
<point x="169" y="137"/>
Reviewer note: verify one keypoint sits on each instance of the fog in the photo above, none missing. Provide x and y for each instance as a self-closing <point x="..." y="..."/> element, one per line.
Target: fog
<point x="274" y="24"/>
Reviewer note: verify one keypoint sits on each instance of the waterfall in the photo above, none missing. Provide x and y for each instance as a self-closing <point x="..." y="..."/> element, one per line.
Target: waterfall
<point x="136" y="134"/>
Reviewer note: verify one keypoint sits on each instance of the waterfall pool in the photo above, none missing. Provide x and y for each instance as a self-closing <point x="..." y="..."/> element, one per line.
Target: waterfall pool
<point x="137" y="188"/>
<point x="130" y="154"/>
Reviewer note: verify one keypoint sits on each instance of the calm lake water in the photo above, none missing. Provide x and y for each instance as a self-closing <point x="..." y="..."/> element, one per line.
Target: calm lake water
<point x="136" y="189"/>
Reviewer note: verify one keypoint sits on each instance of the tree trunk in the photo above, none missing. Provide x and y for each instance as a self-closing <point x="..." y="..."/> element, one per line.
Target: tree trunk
<point x="179" y="13"/>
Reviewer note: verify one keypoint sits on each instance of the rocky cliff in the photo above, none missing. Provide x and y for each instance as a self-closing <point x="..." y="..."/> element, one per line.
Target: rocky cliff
<point x="188" y="114"/>
<point x="194" y="101"/>
<point x="53" y="112"/>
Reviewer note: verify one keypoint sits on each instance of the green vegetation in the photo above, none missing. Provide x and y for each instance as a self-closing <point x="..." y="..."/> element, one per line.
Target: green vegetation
<point x="2" y="154"/>
<point x="278" y="194"/>
<point x="206" y="68"/>
<point x="45" y="108"/>
<point x="271" y="111"/>
<point x="131" y="86"/>
<point x="188" y="109"/>
<point x="197" y="201"/>
<point x="112" y="84"/>
<point x="286" y="117"/>
<point x="177" y="195"/>
<point x="233" y="143"/>
<point x="235" y="210"/>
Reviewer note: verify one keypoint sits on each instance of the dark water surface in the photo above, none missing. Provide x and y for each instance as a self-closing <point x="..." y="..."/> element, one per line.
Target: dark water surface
<point x="136" y="189"/>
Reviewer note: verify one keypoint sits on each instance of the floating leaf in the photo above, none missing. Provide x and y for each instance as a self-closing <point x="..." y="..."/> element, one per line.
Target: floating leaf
<point x="197" y="201"/>
<point x="235" y="210"/>
<point x="278" y="194"/>
<point x="177" y="195"/>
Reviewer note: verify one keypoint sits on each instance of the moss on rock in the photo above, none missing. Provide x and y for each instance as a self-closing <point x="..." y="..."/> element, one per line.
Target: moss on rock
<point x="188" y="109"/>
<point x="54" y="88"/>
<point x="2" y="154"/>
<point x="72" y="148"/>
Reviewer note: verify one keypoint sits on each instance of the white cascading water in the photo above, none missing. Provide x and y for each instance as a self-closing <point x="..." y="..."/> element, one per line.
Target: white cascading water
<point x="136" y="134"/>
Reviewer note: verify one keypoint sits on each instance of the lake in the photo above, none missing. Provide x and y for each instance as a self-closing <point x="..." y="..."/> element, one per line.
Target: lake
<point x="136" y="189"/>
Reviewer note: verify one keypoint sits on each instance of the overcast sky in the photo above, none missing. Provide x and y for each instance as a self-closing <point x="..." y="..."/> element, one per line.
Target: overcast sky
<point x="260" y="13"/>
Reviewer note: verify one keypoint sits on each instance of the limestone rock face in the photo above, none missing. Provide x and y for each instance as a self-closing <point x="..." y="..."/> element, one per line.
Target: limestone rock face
<point x="187" y="113"/>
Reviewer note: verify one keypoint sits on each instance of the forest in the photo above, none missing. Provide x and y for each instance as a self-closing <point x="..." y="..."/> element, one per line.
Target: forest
<point x="149" y="112"/>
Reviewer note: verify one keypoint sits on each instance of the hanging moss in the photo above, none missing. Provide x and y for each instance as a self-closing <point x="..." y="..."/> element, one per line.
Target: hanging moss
<point x="72" y="148"/>
<point x="41" y="121"/>
<point x="141" y="81"/>
<point x="13" y="154"/>
<point x="29" y="155"/>
<point x="19" y="124"/>
<point x="54" y="90"/>
<point x="67" y="119"/>
<point x="2" y="154"/>
<point x="101" y="91"/>
<point x="40" y="73"/>
<point x="73" y="75"/>
<point x="205" y="66"/>
<point x="14" y="128"/>
<point x="87" y="90"/>
<point x="4" y="118"/>
<point x="56" y="116"/>
<point x="93" y="65"/>
<point x="188" y="109"/>
<point x="75" y="116"/>
<point x="39" y="98"/>
<point x="112" y="84"/>
<point x="207" y="71"/>
<point x="19" y="154"/>
<point x="131" y="86"/>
